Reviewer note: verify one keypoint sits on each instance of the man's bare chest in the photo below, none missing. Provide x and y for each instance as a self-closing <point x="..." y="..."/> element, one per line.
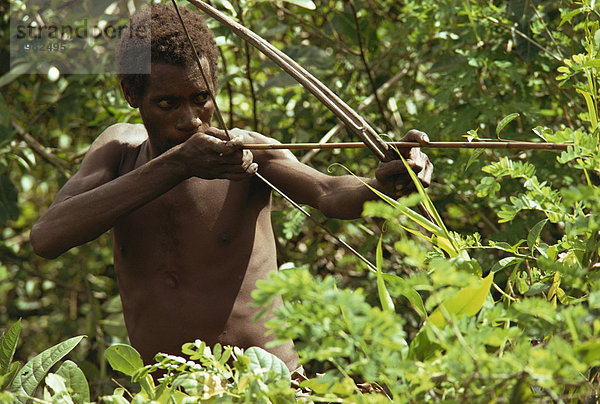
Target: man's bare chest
<point x="198" y="219"/>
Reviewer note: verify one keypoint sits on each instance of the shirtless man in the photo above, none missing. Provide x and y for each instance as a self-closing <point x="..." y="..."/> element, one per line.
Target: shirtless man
<point x="191" y="224"/>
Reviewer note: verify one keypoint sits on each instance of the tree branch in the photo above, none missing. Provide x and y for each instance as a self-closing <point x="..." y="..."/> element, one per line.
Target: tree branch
<point x="363" y="56"/>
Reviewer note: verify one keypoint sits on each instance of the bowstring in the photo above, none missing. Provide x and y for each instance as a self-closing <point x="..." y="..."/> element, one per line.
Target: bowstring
<point x="369" y="264"/>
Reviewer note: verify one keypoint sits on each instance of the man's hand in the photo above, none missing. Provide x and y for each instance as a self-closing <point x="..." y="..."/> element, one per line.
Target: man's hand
<point x="392" y="175"/>
<point x="211" y="155"/>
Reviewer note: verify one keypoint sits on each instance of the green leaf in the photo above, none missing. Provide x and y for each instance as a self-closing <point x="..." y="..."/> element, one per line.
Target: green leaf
<point x="534" y="234"/>
<point x="505" y="121"/>
<point x="384" y="295"/>
<point x="124" y="358"/>
<point x="6" y="379"/>
<point x="467" y="301"/>
<point x="450" y="245"/>
<point x="8" y="345"/>
<point x="590" y="351"/>
<point x="261" y="360"/>
<point x="76" y="381"/>
<point x="408" y="292"/>
<point x="309" y="4"/>
<point x="505" y="262"/>
<point x="57" y="384"/>
<point x="14" y="72"/>
<point x="34" y="371"/>
<point x="592" y="114"/>
<point x="329" y="384"/>
<point x="476" y="153"/>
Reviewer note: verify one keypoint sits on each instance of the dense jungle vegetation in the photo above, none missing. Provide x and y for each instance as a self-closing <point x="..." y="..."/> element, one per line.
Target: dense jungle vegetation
<point x="487" y="287"/>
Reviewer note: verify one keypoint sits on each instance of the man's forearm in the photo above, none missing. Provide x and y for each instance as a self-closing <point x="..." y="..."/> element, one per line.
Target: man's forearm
<point x="84" y="217"/>
<point x="347" y="196"/>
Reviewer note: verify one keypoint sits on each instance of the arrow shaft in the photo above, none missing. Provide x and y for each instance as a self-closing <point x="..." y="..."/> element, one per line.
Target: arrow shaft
<point x="428" y="145"/>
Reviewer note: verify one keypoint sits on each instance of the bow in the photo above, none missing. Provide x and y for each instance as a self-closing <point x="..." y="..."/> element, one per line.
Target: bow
<point x="334" y="103"/>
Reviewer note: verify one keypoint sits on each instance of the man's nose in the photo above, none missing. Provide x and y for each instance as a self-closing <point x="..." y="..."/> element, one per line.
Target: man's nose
<point x="188" y="121"/>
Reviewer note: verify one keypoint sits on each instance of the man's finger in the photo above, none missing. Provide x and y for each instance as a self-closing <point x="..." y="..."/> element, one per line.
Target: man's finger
<point x="414" y="135"/>
<point x="218" y="133"/>
<point x="426" y="174"/>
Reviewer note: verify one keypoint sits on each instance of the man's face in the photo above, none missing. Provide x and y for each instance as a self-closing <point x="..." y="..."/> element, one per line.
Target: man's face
<point x="176" y="104"/>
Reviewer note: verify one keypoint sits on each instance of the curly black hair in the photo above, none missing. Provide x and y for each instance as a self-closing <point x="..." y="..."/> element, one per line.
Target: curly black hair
<point x="160" y="25"/>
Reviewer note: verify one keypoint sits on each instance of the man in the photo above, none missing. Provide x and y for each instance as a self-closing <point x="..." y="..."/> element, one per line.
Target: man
<point x="190" y="222"/>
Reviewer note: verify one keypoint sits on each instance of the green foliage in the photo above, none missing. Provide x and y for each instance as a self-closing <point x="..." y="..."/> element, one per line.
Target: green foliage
<point x="8" y="346"/>
<point x="254" y="375"/>
<point x="31" y="375"/>
<point x="68" y="385"/>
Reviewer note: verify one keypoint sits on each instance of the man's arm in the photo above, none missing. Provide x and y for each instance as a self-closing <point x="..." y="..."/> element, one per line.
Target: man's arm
<point x="91" y="201"/>
<point x="340" y="196"/>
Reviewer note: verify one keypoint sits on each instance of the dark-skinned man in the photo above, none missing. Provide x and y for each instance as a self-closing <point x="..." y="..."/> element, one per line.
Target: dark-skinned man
<point x="191" y="223"/>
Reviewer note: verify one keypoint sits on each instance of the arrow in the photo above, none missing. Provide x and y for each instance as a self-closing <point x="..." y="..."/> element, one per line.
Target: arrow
<point x="425" y="145"/>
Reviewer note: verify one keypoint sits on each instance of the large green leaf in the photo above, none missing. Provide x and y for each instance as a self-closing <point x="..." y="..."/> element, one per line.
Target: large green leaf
<point x="467" y="301"/>
<point x="34" y="371"/>
<point x="261" y="360"/>
<point x="8" y="345"/>
<point x="76" y="381"/>
<point x="124" y="358"/>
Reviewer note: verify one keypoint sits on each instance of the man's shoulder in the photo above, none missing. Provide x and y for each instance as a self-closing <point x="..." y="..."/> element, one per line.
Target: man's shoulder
<point x="114" y="146"/>
<point x="122" y="134"/>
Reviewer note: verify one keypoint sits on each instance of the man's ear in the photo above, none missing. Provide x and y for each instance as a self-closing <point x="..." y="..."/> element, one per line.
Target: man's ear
<point x="129" y="94"/>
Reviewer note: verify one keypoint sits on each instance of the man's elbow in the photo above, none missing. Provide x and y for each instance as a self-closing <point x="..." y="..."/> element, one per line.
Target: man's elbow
<point x="42" y="242"/>
<point x="338" y="211"/>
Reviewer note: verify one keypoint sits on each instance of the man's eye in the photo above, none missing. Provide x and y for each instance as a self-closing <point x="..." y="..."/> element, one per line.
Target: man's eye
<point x="165" y="103"/>
<point x="202" y="98"/>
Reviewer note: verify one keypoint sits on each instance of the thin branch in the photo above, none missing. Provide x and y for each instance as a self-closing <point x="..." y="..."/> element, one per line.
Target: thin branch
<point x="228" y="88"/>
<point x="249" y="71"/>
<point x="366" y="64"/>
<point x="522" y="35"/>
<point x="545" y="27"/>
<point x="42" y="151"/>
<point x="339" y="44"/>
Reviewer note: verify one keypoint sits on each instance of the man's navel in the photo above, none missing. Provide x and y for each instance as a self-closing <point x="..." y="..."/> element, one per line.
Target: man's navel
<point x="223" y="238"/>
<point x="170" y="279"/>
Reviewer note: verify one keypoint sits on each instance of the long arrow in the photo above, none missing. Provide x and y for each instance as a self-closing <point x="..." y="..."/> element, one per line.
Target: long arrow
<point x="425" y="145"/>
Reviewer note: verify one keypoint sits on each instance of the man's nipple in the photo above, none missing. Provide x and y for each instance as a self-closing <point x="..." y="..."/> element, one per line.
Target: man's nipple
<point x="170" y="279"/>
